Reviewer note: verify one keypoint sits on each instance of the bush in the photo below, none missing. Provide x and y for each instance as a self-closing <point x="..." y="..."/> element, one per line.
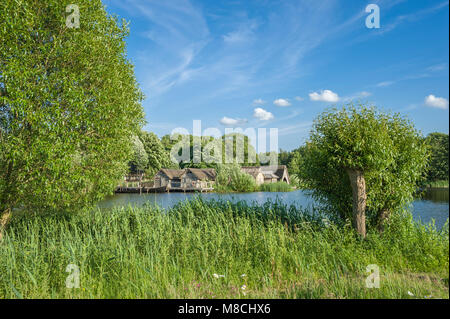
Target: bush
<point x="231" y="178"/>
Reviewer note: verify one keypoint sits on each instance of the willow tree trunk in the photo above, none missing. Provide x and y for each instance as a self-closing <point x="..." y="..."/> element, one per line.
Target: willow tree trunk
<point x="359" y="200"/>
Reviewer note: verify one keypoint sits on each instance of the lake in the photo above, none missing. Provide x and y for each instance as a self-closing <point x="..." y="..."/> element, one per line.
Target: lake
<point x="435" y="205"/>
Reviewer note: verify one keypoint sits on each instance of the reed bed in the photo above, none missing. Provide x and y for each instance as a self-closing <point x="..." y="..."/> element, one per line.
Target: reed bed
<point x="216" y="249"/>
<point x="276" y="187"/>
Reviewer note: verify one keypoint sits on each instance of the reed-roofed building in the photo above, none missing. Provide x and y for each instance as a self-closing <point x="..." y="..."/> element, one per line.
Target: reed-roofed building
<point x="268" y="174"/>
<point x="187" y="179"/>
<point x="255" y="172"/>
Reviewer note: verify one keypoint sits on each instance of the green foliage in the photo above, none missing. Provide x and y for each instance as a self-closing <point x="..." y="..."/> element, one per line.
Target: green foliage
<point x="438" y="164"/>
<point x="231" y="178"/>
<point x="158" y="157"/>
<point x="275" y="187"/>
<point x="69" y="104"/>
<point x="139" y="160"/>
<point x="386" y="147"/>
<point x="284" y="252"/>
<point x="213" y="150"/>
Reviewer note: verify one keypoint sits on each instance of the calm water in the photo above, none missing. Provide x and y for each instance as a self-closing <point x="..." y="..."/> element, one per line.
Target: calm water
<point x="436" y="206"/>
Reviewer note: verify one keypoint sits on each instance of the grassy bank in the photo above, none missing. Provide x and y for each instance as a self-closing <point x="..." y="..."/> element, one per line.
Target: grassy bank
<point x="271" y="251"/>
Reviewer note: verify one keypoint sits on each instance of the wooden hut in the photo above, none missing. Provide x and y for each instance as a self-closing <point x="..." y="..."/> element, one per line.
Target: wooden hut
<point x="268" y="174"/>
<point x="188" y="179"/>
<point x="255" y="172"/>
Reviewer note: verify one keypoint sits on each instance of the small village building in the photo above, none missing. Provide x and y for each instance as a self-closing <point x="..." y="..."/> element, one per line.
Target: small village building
<point x="185" y="179"/>
<point x="280" y="172"/>
<point x="202" y="178"/>
<point x="165" y="177"/>
<point x="268" y="174"/>
<point x="255" y="172"/>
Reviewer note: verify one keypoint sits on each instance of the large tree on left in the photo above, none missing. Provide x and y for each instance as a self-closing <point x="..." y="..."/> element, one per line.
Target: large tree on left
<point x="69" y="105"/>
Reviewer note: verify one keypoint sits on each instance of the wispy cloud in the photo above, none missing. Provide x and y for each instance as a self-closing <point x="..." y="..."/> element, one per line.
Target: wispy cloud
<point x="177" y="32"/>
<point x="228" y="121"/>
<point x="357" y="96"/>
<point x="244" y="34"/>
<point x="259" y="102"/>
<point x="412" y="17"/>
<point x="430" y="71"/>
<point x="384" y="84"/>
<point x="302" y="127"/>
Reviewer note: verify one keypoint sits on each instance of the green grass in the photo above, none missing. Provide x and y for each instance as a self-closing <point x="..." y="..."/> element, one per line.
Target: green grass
<point x="283" y="252"/>
<point x="275" y="187"/>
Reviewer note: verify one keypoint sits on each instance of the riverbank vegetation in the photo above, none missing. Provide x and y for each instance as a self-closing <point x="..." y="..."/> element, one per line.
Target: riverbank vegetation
<point x="276" y="187"/>
<point x="216" y="249"/>
<point x="231" y="179"/>
<point x="437" y="184"/>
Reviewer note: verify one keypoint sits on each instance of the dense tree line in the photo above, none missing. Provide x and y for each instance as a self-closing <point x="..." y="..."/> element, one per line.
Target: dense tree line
<point x="438" y="162"/>
<point x="151" y="153"/>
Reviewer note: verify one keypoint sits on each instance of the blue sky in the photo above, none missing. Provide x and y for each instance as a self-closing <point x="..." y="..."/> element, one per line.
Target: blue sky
<point x="280" y="63"/>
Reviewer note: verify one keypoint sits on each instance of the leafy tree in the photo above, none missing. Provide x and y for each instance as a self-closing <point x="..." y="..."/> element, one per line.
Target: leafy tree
<point x="139" y="160"/>
<point x="359" y="158"/>
<point x="234" y="142"/>
<point x="284" y="157"/>
<point x="225" y="145"/>
<point x="294" y="164"/>
<point x="158" y="157"/>
<point x="69" y="105"/>
<point x="438" y="164"/>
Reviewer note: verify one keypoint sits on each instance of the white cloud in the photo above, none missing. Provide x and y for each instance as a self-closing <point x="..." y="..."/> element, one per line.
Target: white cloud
<point x="357" y="96"/>
<point x="228" y="121"/>
<point x="281" y="102"/>
<point x="262" y="114"/>
<point x="438" y="67"/>
<point x="384" y="84"/>
<point x="364" y="94"/>
<point x="259" y="102"/>
<point x="325" y="96"/>
<point x="438" y="102"/>
<point x="243" y="34"/>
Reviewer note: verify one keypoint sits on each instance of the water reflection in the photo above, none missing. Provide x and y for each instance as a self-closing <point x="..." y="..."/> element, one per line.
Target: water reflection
<point x="434" y="206"/>
<point x="436" y="194"/>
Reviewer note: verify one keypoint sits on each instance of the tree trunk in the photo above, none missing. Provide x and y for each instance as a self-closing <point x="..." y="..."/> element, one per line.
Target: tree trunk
<point x="359" y="200"/>
<point x="383" y="215"/>
<point x="4" y="219"/>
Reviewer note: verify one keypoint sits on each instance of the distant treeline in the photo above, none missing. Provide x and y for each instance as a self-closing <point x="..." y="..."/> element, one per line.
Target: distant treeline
<point x="152" y="153"/>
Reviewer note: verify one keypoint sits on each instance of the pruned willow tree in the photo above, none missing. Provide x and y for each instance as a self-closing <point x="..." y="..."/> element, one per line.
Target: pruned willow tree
<point x="361" y="161"/>
<point x="69" y="104"/>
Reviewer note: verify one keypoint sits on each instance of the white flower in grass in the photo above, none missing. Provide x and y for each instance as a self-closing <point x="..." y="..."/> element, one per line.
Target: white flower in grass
<point x="243" y="287"/>
<point x="243" y="275"/>
<point x="410" y="293"/>
<point x="218" y="276"/>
